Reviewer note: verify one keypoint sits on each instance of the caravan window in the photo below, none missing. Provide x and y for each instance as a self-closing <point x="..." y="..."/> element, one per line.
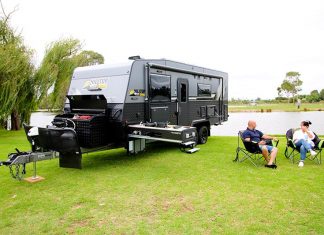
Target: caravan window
<point x="204" y="90"/>
<point x="183" y="88"/>
<point x="160" y="88"/>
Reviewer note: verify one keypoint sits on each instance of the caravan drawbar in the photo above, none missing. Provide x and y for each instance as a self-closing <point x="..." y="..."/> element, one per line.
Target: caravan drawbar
<point x="128" y="105"/>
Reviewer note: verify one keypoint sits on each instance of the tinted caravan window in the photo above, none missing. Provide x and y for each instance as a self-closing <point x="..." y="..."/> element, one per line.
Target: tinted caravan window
<point x="160" y="88"/>
<point x="204" y="90"/>
<point x="183" y="92"/>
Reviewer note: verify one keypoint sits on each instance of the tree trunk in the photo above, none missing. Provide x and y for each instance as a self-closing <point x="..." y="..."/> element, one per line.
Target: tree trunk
<point x="15" y="121"/>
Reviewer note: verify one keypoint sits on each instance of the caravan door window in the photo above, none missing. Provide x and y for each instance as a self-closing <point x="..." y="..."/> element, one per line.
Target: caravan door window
<point x="183" y="87"/>
<point x="160" y="88"/>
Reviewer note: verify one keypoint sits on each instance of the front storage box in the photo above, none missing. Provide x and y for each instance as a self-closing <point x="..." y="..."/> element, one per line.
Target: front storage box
<point x="91" y="130"/>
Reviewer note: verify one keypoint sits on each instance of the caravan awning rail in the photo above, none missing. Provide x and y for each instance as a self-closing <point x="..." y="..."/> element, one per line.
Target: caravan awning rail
<point x="173" y="69"/>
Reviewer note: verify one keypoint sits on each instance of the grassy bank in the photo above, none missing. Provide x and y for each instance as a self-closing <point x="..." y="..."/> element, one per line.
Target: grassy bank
<point x="279" y="107"/>
<point x="162" y="191"/>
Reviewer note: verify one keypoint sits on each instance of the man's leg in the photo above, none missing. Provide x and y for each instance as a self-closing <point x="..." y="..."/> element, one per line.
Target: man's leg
<point x="266" y="149"/>
<point x="273" y="155"/>
<point x="265" y="153"/>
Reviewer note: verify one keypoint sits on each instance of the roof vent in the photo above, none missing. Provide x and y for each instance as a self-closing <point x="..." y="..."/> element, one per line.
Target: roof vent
<point x="136" y="57"/>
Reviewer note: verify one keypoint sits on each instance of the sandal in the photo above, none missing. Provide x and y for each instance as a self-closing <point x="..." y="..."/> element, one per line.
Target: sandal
<point x="273" y="166"/>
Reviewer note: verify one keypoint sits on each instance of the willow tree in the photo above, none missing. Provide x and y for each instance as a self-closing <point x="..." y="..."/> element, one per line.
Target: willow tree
<point x="17" y="96"/>
<point x="55" y="71"/>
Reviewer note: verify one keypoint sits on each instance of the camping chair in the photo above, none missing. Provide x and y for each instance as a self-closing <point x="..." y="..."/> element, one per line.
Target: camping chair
<point x="250" y="151"/>
<point x="292" y="150"/>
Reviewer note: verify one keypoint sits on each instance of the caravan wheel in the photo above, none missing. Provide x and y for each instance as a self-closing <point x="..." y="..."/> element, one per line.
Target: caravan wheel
<point x="202" y="135"/>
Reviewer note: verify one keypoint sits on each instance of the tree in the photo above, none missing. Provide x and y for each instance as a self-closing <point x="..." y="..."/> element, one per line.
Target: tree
<point x="55" y="71"/>
<point x="290" y="86"/>
<point x="87" y="58"/>
<point x="17" y="96"/>
<point x="322" y="94"/>
<point x="314" y="96"/>
<point x="21" y="89"/>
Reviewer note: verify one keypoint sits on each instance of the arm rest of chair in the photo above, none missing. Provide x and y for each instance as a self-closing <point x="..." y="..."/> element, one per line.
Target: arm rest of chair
<point x="321" y="144"/>
<point x="252" y="142"/>
<point x="269" y="142"/>
<point x="291" y="142"/>
<point x="277" y="142"/>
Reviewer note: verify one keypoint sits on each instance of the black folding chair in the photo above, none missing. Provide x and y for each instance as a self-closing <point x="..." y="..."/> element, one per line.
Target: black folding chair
<point x="292" y="150"/>
<point x="250" y="151"/>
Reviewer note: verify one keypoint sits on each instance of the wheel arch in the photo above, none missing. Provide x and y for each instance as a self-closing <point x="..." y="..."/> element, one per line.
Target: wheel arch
<point x="200" y="123"/>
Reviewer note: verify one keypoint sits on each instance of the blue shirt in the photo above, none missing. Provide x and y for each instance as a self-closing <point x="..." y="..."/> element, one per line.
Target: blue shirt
<point x="254" y="135"/>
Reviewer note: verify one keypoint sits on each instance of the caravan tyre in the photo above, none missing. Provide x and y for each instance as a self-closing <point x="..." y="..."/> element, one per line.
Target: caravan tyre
<point x="202" y="135"/>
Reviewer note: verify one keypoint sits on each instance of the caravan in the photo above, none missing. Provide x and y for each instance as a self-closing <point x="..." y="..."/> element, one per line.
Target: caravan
<point x="130" y="104"/>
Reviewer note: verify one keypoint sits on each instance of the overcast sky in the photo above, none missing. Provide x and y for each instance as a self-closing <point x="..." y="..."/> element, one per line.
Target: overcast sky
<point x="256" y="42"/>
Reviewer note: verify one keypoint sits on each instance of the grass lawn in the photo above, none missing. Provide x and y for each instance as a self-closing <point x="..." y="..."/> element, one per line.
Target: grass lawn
<point x="162" y="191"/>
<point x="281" y="107"/>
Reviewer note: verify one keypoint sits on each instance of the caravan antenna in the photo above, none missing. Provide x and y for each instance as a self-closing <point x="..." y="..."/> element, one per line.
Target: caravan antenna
<point x="136" y="57"/>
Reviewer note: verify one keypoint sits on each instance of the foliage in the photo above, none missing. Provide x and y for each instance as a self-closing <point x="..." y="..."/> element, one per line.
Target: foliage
<point x="21" y="88"/>
<point x="278" y="106"/>
<point x="87" y="58"/>
<point x="16" y="75"/>
<point x="290" y="86"/>
<point x="163" y="191"/>
<point x="61" y="58"/>
<point x="239" y="101"/>
<point x="314" y="96"/>
<point x="302" y="97"/>
<point x="280" y="99"/>
<point x="322" y="94"/>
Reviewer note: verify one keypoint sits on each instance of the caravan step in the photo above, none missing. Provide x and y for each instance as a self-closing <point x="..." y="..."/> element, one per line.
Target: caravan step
<point x="188" y="143"/>
<point x="179" y="135"/>
<point x="192" y="150"/>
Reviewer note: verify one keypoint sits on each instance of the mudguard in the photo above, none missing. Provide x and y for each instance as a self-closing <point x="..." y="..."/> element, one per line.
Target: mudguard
<point x="62" y="140"/>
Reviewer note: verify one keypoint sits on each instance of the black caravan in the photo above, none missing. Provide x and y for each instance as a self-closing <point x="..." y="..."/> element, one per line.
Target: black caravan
<point x="124" y="105"/>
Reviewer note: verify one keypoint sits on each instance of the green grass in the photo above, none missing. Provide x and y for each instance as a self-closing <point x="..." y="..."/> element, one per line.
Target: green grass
<point x="162" y="191"/>
<point x="281" y="107"/>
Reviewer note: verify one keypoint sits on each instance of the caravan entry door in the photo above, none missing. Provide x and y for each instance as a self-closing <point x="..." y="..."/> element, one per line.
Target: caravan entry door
<point x="183" y="102"/>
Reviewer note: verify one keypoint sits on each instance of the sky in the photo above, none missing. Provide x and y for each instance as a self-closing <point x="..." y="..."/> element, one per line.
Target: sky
<point x="255" y="41"/>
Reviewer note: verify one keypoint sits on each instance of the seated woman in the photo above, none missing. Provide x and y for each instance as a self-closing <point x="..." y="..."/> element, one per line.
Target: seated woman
<point x="251" y="134"/>
<point x="303" y="139"/>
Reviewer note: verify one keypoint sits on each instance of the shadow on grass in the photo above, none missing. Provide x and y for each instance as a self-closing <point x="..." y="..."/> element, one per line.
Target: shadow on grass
<point x="121" y="158"/>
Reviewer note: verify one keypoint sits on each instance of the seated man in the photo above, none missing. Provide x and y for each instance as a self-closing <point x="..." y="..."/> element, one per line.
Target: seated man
<point x="251" y="134"/>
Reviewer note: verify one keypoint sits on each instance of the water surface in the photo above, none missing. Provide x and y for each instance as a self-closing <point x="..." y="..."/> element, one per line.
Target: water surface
<point x="272" y="123"/>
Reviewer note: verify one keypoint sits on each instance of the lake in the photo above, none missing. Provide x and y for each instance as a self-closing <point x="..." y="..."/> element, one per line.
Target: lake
<point x="271" y="123"/>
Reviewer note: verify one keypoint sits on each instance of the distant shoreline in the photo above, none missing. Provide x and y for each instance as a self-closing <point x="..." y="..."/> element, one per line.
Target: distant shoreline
<point x="275" y="107"/>
<point x="273" y="110"/>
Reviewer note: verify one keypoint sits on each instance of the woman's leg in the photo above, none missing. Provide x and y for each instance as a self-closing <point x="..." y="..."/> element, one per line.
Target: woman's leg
<point x="304" y="147"/>
<point x="303" y="152"/>
<point x="304" y="143"/>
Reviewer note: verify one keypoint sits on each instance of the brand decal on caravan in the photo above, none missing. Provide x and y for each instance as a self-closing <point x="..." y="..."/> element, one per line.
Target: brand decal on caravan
<point x="95" y="85"/>
<point x="137" y="92"/>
